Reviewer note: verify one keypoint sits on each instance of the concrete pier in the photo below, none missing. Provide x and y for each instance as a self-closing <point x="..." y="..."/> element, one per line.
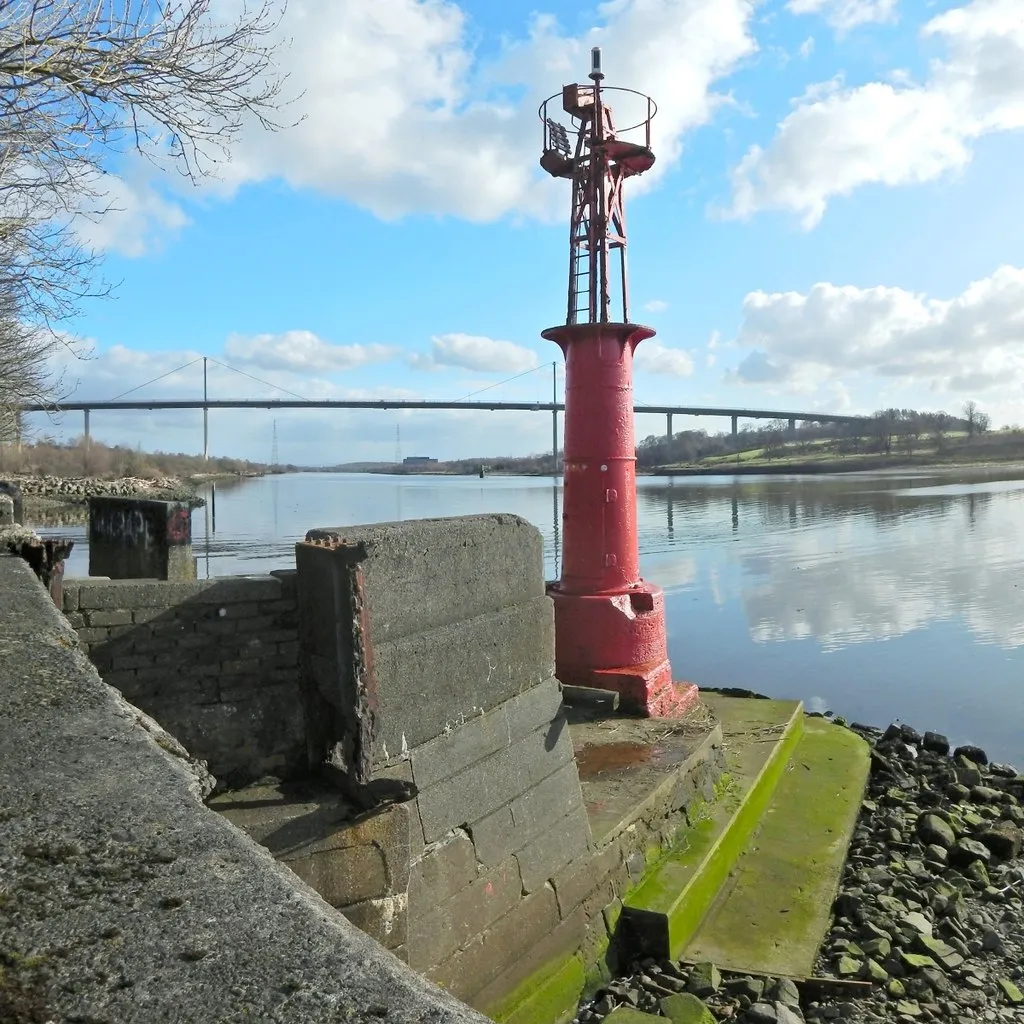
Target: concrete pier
<point x="134" y="538"/>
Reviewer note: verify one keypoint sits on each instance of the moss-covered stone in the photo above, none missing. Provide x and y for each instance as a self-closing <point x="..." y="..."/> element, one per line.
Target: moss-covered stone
<point x="686" y="1008"/>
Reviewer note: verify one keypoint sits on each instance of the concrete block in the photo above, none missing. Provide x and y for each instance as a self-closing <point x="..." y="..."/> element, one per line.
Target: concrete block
<point x="352" y="864"/>
<point x="424" y="573"/>
<point x="135" y="538"/>
<point x="513" y="826"/>
<point x="562" y="842"/>
<point x="385" y="919"/>
<point x="435" y="936"/>
<point x="565" y="938"/>
<point x="443" y="870"/>
<point x="116" y="617"/>
<point x="112" y="594"/>
<point x="585" y="876"/>
<point x="548" y="801"/>
<point x="494" y="836"/>
<point x="69" y="596"/>
<point x="429" y="682"/>
<point x="533" y="708"/>
<point x="463" y="745"/>
<point x="503" y="944"/>
<point x="228" y="590"/>
<point x="473" y="794"/>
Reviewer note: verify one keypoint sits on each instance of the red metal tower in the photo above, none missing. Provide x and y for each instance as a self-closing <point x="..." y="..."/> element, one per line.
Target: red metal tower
<point x="609" y="622"/>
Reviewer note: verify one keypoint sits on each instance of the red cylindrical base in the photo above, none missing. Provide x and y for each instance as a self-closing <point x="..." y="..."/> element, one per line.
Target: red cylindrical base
<point x="617" y="642"/>
<point x="609" y="623"/>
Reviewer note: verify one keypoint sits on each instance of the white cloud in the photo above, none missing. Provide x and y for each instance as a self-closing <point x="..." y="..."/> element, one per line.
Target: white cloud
<point x="656" y="306"/>
<point x="844" y="15"/>
<point x="653" y="357"/>
<point x="971" y="345"/>
<point x="838" y="139"/>
<point x="403" y="116"/>
<point x="475" y="352"/>
<point x="136" y="218"/>
<point x="807" y="47"/>
<point x="303" y="351"/>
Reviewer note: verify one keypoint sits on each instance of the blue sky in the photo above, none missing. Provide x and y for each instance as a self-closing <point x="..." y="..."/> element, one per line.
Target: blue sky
<point x="835" y="222"/>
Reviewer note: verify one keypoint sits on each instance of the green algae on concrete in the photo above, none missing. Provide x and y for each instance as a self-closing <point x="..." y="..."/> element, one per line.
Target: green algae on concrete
<point x="662" y="914"/>
<point x="550" y="996"/>
<point x="774" y="914"/>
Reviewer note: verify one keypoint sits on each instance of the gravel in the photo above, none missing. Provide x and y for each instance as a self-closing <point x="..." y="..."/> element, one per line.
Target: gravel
<point x="928" y="923"/>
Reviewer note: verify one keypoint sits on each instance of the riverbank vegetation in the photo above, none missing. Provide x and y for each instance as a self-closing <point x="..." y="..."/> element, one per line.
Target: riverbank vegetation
<point x="47" y="458"/>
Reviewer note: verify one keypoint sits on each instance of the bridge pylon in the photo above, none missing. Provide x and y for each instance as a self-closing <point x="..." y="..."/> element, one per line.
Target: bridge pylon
<point x="609" y="621"/>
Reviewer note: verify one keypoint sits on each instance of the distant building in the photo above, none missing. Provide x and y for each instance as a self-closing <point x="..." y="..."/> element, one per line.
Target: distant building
<point x="418" y="460"/>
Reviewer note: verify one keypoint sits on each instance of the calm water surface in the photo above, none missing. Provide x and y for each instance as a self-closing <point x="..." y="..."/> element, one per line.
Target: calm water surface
<point x="876" y="596"/>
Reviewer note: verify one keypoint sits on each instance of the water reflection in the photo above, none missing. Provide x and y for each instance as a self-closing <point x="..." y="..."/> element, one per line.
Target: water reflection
<point x="879" y="596"/>
<point x="846" y="561"/>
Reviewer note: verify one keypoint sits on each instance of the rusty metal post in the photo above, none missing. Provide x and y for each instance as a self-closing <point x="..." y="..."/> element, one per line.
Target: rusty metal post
<point x="609" y="621"/>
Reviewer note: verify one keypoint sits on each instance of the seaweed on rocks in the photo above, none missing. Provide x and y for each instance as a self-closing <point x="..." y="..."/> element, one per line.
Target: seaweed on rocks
<point x="928" y="922"/>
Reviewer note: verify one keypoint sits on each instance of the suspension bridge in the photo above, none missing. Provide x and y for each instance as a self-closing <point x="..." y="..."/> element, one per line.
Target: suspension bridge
<point x="468" y="403"/>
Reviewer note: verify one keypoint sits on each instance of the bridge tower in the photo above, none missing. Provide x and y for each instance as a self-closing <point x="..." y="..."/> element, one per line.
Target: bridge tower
<point x="609" y="621"/>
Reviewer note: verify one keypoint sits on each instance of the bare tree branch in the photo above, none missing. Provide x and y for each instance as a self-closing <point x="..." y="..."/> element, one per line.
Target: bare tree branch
<point x="81" y="80"/>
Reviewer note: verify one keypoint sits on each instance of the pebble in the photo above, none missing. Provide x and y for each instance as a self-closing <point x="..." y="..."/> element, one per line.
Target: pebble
<point x="930" y="909"/>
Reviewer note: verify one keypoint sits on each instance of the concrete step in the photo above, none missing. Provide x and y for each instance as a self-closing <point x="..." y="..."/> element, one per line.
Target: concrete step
<point x="661" y="916"/>
<point x="772" y="914"/>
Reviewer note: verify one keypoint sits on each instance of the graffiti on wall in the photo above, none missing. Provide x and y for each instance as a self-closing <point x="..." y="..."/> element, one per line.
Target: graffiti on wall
<point x="135" y="525"/>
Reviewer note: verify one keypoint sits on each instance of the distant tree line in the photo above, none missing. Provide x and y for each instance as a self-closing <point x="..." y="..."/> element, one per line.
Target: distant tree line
<point x="47" y="457"/>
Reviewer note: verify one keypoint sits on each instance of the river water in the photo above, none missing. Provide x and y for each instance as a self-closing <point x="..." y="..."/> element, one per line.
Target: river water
<point x="875" y="596"/>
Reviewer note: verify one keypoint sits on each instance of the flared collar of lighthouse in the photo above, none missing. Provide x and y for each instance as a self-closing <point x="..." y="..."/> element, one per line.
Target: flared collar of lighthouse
<point x="609" y="622"/>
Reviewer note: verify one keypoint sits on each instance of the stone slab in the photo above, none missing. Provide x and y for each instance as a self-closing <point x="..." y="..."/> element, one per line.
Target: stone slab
<point x="774" y="913"/>
<point x="631" y="769"/>
<point x="465" y="743"/>
<point x="429" y="683"/>
<point x="199" y="922"/>
<point x="474" y="793"/>
<point x="424" y="573"/>
<point x="662" y="914"/>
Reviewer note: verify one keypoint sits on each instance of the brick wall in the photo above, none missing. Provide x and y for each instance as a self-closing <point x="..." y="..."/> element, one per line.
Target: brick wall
<point x="214" y="661"/>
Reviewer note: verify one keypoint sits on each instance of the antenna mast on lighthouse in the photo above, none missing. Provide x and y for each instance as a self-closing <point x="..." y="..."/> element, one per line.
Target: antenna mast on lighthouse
<point x="609" y="622"/>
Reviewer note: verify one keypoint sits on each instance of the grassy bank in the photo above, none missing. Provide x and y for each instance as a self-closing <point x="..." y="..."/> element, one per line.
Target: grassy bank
<point x="841" y="456"/>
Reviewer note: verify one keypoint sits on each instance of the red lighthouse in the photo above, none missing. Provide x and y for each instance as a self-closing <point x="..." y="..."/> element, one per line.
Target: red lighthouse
<point x="609" y="621"/>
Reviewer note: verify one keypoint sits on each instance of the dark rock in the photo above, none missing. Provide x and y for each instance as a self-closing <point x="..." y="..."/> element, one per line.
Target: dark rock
<point x="1003" y="839"/>
<point x="985" y="795"/>
<point x="785" y="991"/>
<point x="752" y="988"/>
<point x="705" y="980"/>
<point x="965" y="851"/>
<point x="761" y="1013"/>
<point x="910" y="735"/>
<point x="931" y="829"/>
<point x="957" y="792"/>
<point x="972" y="753"/>
<point x="936" y="743"/>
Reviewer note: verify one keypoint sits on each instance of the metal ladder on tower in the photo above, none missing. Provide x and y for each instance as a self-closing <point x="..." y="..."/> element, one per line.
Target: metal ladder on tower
<point x="580" y="265"/>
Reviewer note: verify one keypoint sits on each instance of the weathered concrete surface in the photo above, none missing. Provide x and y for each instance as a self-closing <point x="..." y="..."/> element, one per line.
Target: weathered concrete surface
<point x="124" y="898"/>
<point x="426" y="573"/>
<point x="138" y="538"/>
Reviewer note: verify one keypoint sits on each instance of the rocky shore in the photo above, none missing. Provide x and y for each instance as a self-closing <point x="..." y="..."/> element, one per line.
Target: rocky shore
<point x="928" y="924"/>
<point x="53" y="491"/>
